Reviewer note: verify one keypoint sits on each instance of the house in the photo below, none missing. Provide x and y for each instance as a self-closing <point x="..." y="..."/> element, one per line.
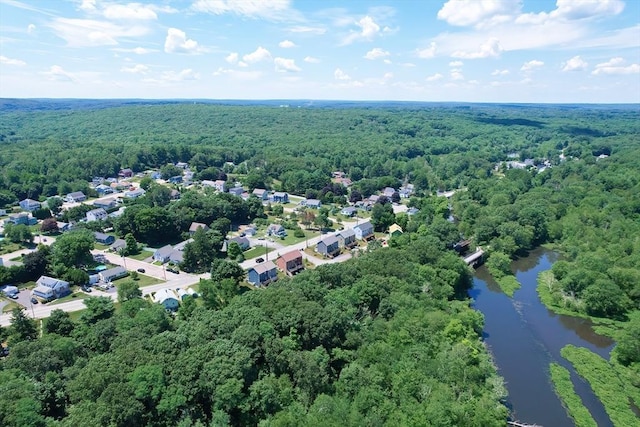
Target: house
<point x="276" y="230"/>
<point x="105" y="239"/>
<point x="406" y="191"/>
<point x="174" y="195"/>
<point x="280" y="197"/>
<point x="10" y="290"/>
<point x="105" y="203"/>
<point x="155" y="175"/>
<point x="373" y="199"/>
<point x="346" y="238"/>
<point x="21" y="218"/>
<point x="250" y="231"/>
<point x="96" y="215"/>
<point x="118" y="245"/>
<point x="29" y="205"/>
<point x="363" y="231"/>
<point x="395" y="230"/>
<point x="261" y="194"/>
<point x="262" y="274"/>
<point x="104" y="189"/>
<point x="412" y="211"/>
<point x="135" y="193"/>
<point x="313" y="203"/>
<point x="243" y="242"/>
<point x="290" y="263"/>
<point x="112" y="274"/>
<point x="388" y="192"/>
<point x="182" y="165"/>
<point x="195" y="226"/>
<point x="3" y="212"/>
<point x="219" y="185"/>
<point x="236" y="191"/>
<point x="75" y="197"/>
<point x="167" y="298"/>
<point x="50" y="288"/>
<point x="182" y="294"/>
<point x="329" y="246"/>
<point x="175" y="179"/>
<point x="125" y="173"/>
<point x="63" y="226"/>
<point x="163" y="254"/>
<point x="349" y="211"/>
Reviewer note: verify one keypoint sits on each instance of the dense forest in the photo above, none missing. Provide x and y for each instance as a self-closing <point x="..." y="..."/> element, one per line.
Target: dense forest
<point x="384" y="339"/>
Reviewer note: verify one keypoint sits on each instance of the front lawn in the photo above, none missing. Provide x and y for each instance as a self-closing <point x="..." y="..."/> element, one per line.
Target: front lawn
<point x="257" y="251"/>
<point x="143" y="280"/>
<point x="142" y="255"/>
<point x="71" y="297"/>
<point x="292" y="240"/>
<point x="10" y="306"/>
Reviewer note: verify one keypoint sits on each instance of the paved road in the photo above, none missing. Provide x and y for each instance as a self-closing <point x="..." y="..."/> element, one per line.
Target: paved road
<point x="174" y="281"/>
<point x="45" y="240"/>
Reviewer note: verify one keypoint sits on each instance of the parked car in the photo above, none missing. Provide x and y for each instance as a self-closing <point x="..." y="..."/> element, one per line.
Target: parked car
<point x="141" y="270"/>
<point x="259" y="260"/>
<point x="173" y="270"/>
<point x="14" y="296"/>
<point x="86" y="289"/>
<point x="34" y="300"/>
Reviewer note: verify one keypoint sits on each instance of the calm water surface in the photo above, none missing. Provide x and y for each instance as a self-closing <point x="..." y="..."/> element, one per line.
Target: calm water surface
<point x="525" y="337"/>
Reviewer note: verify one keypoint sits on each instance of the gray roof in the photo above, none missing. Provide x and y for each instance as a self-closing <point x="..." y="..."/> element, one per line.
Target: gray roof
<point x="346" y="233"/>
<point x="119" y="243"/>
<point x="100" y="236"/>
<point x="313" y="202"/>
<point x="115" y="271"/>
<point x="279" y="194"/>
<point x="329" y="240"/>
<point x="264" y="267"/>
<point x="164" y="251"/>
<point x="76" y="194"/>
<point x="365" y="226"/>
<point x="50" y="282"/>
<point x="98" y="211"/>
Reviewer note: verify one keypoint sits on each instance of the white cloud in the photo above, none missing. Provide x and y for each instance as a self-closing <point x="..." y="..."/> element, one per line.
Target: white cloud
<point x="338" y="74"/>
<point x="232" y="58"/>
<point x="428" y="52"/>
<point x="31" y="29"/>
<point x="284" y="65"/>
<point x="136" y="69"/>
<point x="368" y="30"/>
<point x="186" y="74"/>
<point x="478" y="12"/>
<point x="489" y="49"/>
<point x="435" y="77"/>
<point x="456" y="74"/>
<point x="456" y="64"/>
<point x="387" y="76"/>
<point x="616" y="66"/>
<point x="131" y="11"/>
<point x="177" y="42"/>
<point x="387" y="61"/>
<point x="260" y="54"/>
<point x="137" y="50"/>
<point x="575" y="64"/>
<point x="274" y="10"/>
<point x="11" y="61"/>
<point x="286" y="44"/>
<point x="408" y="64"/>
<point x="88" y="5"/>
<point x="500" y="72"/>
<point x="304" y="29"/>
<point x="531" y="65"/>
<point x="57" y="73"/>
<point x="89" y="32"/>
<point x="572" y="10"/>
<point x="376" y="53"/>
<point x="311" y="60"/>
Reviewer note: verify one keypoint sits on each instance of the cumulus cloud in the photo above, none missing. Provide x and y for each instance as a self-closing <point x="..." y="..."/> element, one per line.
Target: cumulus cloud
<point x="11" y="61"/>
<point x="311" y="60"/>
<point x="489" y="49"/>
<point x="571" y="10"/>
<point x="238" y="74"/>
<point x="428" y="52"/>
<point x="58" y="74"/>
<point x="180" y="76"/>
<point x="305" y="29"/>
<point x="177" y="42"/>
<point x="456" y="74"/>
<point x="500" y="72"/>
<point x="376" y="53"/>
<point x="338" y="74"/>
<point x="531" y="65"/>
<point x="434" y="77"/>
<point x="232" y="58"/>
<point x="287" y="44"/>
<point x="136" y="69"/>
<point x="273" y="10"/>
<point x="31" y="29"/>
<point x="368" y="30"/>
<point x="616" y="65"/>
<point x="129" y="11"/>
<point x="478" y="12"/>
<point x="456" y="64"/>
<point x="260" y="54"/>
<point x="575" y="64"/>
<point x="284" y="65"/>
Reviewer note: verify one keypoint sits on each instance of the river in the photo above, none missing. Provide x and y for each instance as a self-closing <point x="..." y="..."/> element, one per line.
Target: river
<point x="524" y="337"/>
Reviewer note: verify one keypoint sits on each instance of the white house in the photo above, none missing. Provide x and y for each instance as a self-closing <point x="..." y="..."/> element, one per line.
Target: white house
<point x="75" y="197"/>
<point x="112" y="274"/>
<point x="363" y="231"/>
<point x="135" y="193"/>
<point x="50" y="288"/>
<point x="29" y="205"/>
<point x="96" y="215"/>
<point x="167" y="298"/>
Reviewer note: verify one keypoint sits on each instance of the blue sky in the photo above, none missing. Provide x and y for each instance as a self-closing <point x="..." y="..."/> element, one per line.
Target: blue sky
<point x="422" y="50"/>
